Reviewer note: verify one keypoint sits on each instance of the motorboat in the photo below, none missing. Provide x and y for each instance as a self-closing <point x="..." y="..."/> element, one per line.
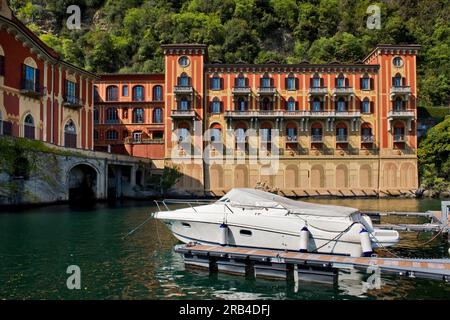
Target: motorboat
<point x="257" y="219"/>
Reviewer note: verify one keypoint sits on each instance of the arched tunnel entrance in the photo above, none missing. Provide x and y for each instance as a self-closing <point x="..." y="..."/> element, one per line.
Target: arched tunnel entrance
<point x="82" y="185"/>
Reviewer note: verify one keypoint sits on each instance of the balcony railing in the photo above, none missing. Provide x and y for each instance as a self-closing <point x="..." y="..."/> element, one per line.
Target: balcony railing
<point x="367" y="139"/>
<point x="399" y="138"/>
<point x="183" y="113"/>
<point x="267" y="90"/>
<point x="401" y="114"/>
<point x="242" y="90"/>
<point x="341" y="138"/>
<point x="290" y="139"/>
<point x="31" y="89"/>
<point x="73" y="102"/>
<point x="318" y="90"/>
<point x="131" y="140"/>
<point x="401" y="90"/>
<point x="316" y="139"/>
<point x="112" y="121"/>
<point x="183" y="90"/>
<point x="343" y="91"/>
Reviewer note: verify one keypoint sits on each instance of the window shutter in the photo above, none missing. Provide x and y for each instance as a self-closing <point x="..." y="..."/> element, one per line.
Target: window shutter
<point x="221" y="107"/>
<point x="321" y="82"/>
<point x="296" y="106"/>
<point x="335" y="82"/>
<point x="38" y="81"/>
<point x="285" y="84"/>
<point x="347" y="83"/>
<point x="297" y="84"/>
<point x="310" y="82"/>
<point x="2" y="65"/>
<point x="361" y="83"/>
<point x="372" y="107"/>
<point x="24" y="76"/>
<point x="372" y="84"/>
<point x="247" y="82"/>
<point x="222" y="84"/>
<point x="393" y="81"/>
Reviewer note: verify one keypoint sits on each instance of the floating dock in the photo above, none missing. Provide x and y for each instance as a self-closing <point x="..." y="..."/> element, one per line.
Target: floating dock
<point x="273" y="264"/>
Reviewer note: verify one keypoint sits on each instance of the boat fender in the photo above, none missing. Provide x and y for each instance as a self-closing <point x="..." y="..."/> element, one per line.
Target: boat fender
<point x="366" y="244"/>
<point x="304" y="239"/>
<point x="223" y="234"/>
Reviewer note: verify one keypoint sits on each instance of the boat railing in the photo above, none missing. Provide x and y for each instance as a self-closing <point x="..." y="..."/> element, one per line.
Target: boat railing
<point x="191" y="203"/>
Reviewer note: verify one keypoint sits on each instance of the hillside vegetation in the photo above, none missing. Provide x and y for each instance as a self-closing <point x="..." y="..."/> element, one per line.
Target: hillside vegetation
<point x="125" y="35"/>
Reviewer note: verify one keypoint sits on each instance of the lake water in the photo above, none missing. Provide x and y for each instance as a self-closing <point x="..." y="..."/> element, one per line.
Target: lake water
<point x="37" y="246"/>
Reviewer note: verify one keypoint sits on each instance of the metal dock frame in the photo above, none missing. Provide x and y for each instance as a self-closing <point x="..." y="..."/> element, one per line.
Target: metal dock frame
<point x="273" y="264"/>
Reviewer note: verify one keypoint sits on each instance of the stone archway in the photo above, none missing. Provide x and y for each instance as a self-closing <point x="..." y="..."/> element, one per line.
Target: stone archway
<point x="83" y="183"/>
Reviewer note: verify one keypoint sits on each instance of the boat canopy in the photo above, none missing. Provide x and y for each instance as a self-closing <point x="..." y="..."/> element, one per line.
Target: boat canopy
<point x="243" y="197"/>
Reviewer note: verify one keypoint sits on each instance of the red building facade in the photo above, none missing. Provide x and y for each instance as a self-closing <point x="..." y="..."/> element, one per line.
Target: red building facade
<point x="41" y="96"/>
<point x="129" y="115"/>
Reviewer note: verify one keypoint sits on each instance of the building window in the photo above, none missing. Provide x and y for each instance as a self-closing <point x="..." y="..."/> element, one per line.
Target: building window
<point x="158" y="135"/>
<point x="341" y="134"/>
<point x="241" y="104"/>
<point x="125" y="90"/>
<point x="215" y="106"/>
<point x="112" y="115"/>
<point x="112" y="93"/>
<point x="341" y="105"/>
<point x="138" y="93"/>
<point x="398" y="104"/>
<point x="184" y="80"/>
<point x="216" y="134"/>
<point x="183" y="135"/>
<point x="70" y="135"/>
<point x="240" y="81"/>
<point x="112" y="135"/>
<point x="71" y="92"/>
<point x="398" y="62"/>
<point x="365" y="106"/>
<point x="316" y="105"/>
<point x="399" y="134"/>
<point x="96" y="94"/>
<point x="365" y="83"/>
<point x="30" y="78"/>
<point x="157" y="93"/>
<point x="366" y="135"/>
<point x="96" y="116"/>
<point x="291" y="134"/>
<point x="266" y="135"/>
<point x="184" y="61"/>
<point x="266" y="104"/>
<point x="290" y="104"/>
<point x="29" y="130"/>
<point x="291" y="82"/>
<point x="316" y="81"/>
<point x="266" y="81"/>
<point x="95" y="135"/>
<point x="316" y="134"/>
<point x="185" y="104"/>
<point x="397" y="80"/>
<point x="2" y="65"/>
<point x="125" y="113"/>
<point x="157" y="115"/>
<point x="137" y="136"/>
<point x="138" y="115"/>
<point x="216" y="82"/>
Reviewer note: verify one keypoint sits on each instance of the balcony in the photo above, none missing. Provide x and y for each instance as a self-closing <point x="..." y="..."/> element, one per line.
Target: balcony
<point x="400" y="90"/>
<point x="178" y="113"/>
<point x="367" y="139"/>
<point x="401" y="114"/>
<point x="347" y="114"/>
<point x="131" y="140"/>
<point x="266" y="91"/>
<point x="291" y="139"/>
<point x="399" y="138"/>
<point x="343" y="91"/>
<point x="321" y="114"/>
<point x="73" y="102"/>
<point x="31" y="89"/>
<point x="183" y="90"/>
<point x="240" y="114"/>
<point x="318" y="91"/>
<point x="242" y="91"/>
<point x="295" y="114"/>
<point x="341" y="139"/>
<point x="316" y="139"/>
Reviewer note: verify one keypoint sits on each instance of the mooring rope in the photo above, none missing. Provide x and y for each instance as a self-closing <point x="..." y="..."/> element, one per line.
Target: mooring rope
<point x="138" y="227"/>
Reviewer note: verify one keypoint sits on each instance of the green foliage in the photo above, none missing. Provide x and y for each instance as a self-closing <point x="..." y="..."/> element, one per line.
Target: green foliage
<point x="125" y="35"/>
<point x="434" y="158"/>
<point x="169" y="178"/>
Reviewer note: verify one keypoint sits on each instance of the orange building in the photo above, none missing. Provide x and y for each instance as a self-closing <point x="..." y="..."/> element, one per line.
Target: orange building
<point x="41" y="96"/>
<point x="129" y="115"/>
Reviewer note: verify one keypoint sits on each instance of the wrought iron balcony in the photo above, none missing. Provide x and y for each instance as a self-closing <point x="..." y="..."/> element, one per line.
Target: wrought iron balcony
<point x="179" y="113"/>
<point x="242" y="91"/>
<point x="31" y="89"/>
<point x="183" y="90"/>
<point x="401" y="114"/>
<point x="347" y="114"/>
<point x="267" y="90"/>
<point x="318" y="91"/>
<point x="317" y="139"/>
<point x="401" y="90"/>
<point x="367" y="139"/>
<point x="341" y="138"/>
<point x="399" y="138"/>
<point x="339" y="91"/>
<point x="240" y="114"/>
<point x="73" y="102"/>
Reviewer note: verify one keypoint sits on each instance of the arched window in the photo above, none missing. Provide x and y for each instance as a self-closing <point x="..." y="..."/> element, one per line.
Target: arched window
<point x="215" y="105"/>
<point x="291" y="132"/>
<point x="29" y="129"/>
<point x="137" y="136"/>
<point x="316" y="81"/>
<point x="185" y="104"/>
<point x="341" y="132"/>
<point x="266" y="104"/>
<point x="70" y="135"/>
<point x="138" y="93"/>
<point x="290" y="104"/>
<point x="341" y="105"/>
<point x="112" y="115"/>
<point x="291" y="82"/>
<point x="240" y="81"/>
<point x="366" y="133"/>
<point x="112" y="135"/>
<point x="241" y="104"/>
<point x="365" y="82"/>
<point x="183" y="133"/>
<point x="398" y="104"/>
<point x="30" y="76"/>
<point x="184" y="80"/>
<point x="365" y="106"/>
<point x="216" y="132"/>
<point x="316" y="105"/>
<point x="112" y="93"/>
<point x="398" y="80"/>
<point x="138" y="115"/>
<point x="157" y="115"/>
<point x="316" y="132"/>
<point x="266" y="81"/>
<point x="96" y="115"/>
<point x="157" y="93"/>
<point x="216" y="82"/>
<point x="340" y="81"/>
<point x="399" y="132"/>
<point x="240" y="135"/>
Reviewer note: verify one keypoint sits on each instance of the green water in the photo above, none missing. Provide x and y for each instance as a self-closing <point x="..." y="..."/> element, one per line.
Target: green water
<point x="37" y="246"/>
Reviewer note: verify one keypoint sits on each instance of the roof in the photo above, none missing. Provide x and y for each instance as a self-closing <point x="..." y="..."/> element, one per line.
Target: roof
<point x="257" y="198"/>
